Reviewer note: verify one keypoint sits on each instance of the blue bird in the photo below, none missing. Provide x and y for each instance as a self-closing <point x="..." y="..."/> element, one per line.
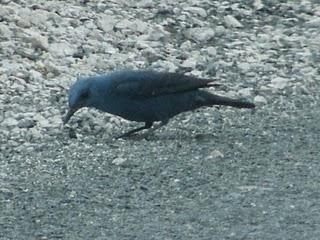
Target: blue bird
<point x="145" y="96"/>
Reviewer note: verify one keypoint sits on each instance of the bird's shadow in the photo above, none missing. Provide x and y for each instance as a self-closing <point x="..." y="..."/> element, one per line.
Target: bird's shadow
<point x="180" y="134"/>
<point x="165" y="136"/>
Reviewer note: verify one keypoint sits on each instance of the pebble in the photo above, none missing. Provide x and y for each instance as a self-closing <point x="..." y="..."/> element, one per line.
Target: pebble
<point x="202" y="34"/>
<point x="106" y="23"/>
<point x="232" y="22"/>
<point x="62" y="49"/>
<point x="313" y="23"/>
<point x="119" y="161"/>
<point x="9" y="122"/>
<point x="279" y="83"/>
<point x="189" y="63"/>
<point x="245" y="92"/>
<point x="36" y="39"/>
<point x="259" y="100"/>
<point x="216" y="154"/>
<point x="258" y="5"/>
<point x="212" y="51"/>
<point x="197" y="10"/>
<point x="26" y="123"/>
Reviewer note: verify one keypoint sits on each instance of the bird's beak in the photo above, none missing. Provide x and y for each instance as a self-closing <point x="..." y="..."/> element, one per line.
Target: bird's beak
<point x="69" y="115"/>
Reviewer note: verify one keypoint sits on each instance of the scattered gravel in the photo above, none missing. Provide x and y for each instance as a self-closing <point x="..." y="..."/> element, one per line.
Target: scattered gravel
<point x="210" y="174"/>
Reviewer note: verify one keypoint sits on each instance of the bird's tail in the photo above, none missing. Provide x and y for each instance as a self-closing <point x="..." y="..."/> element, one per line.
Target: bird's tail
<point x="220" y="100"/>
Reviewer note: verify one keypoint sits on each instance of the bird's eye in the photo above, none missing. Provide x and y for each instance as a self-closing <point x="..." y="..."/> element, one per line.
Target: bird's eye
<point x="84" y="95"/>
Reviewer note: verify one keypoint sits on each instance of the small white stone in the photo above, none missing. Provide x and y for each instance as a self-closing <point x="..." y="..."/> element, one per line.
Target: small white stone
<point x="158" y="34"/>
<point x="200" y="34"/>
<point x="56" y="121"/>
<point x="186" y="46"/>
<point x="123" y="24"/>
<point x="43" y="122"/>
<point x="259" y="100"/>
<point x="106" y="23"/>
<point x="257" y="4"/>
<point x="279" y="83"/>
<point x="197" y="10"/>
<point x="244" y="66"/>
<point x="35" y="75"/>
<point x="164" y="66"/>
<point x="139" y="26"/>
<point x="313" y="23"/>
<point x="189" y="63"/>
<point x="216" y="154"/>
<point x="245" y="92"/>
<point x="9" y="122"/>
<point x="37" y="40"/>
<point x="212" y="51"/>
<point x="26" y="123"/>
<point x="5" y="31"/>
<point x="62" y="49"/>
<point x="145" y="4"/>
<point x="220" y="30"/>
<point x="232" y="22"/>
<point x="118" y="160"/>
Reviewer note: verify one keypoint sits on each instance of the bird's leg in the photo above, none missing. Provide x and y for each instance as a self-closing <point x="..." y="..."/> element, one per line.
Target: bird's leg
<point x="146" y="126"/>
<point x="154" y="127"/>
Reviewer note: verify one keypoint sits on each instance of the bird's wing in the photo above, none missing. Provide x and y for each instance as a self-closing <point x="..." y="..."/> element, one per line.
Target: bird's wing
<point x="151" y="84"/>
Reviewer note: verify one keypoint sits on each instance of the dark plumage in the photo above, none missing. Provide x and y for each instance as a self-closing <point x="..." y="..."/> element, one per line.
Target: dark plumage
<point x="145" y="96"/>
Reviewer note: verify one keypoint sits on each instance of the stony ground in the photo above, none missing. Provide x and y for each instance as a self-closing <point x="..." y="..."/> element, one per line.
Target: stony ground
<point x="217" y="173"/>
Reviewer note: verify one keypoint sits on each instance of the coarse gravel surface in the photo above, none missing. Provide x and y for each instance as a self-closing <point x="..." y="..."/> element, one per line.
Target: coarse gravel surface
<point x="215" y="173"/>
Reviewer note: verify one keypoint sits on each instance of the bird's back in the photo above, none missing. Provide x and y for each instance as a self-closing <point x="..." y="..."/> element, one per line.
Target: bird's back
<point x="146" y="84"/>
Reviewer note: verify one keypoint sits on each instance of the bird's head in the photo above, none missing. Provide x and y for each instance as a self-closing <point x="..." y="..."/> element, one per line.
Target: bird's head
<point x="80" y="95"/>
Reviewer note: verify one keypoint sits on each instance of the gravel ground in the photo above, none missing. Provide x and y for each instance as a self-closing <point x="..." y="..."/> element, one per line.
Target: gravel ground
<point x="216" y="173"/>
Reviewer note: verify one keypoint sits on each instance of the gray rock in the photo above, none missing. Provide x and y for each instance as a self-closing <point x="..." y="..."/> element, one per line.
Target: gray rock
<point x="36" y="39"/>
<point x="106" y="23"/>
<point x="259" y="100"/>
<point x="7" y="12"/>
<point x="212" y="51"/>
<point x="5" y="32"/>
<point x="35" y="75"/>
<point x="34" y="134"/>
<point x="158" y="34"/>
<point x="232" y="22"/>
<point x="42" y="121"/>
<point x="164" y="66"/>
<point x="119" y="160"/>
<point x="305" y="6"/>
<point x="202" y="34"/>
<point x="124" y="23"/>
<point x="41" y="19"/>
<point x="23" y="16"/>
<point x="139" y="26"/>
<point x="28" y="53"/>
<point x="216" y="154"/>
<point x="26" y="123"/>
<point x="62" y="49"/>
<point x="189" y="63"/>
<point x="186" y="46"/>
<point x="245" y="92"/>
<point x="279" y="83"/>
<point x="151" y="54"/>
<point x="313" y="23"/>
<point x="220" y="31"/>
<point x="258" y="5"/>
<point x="145" y="4"/>
<point x="197" y="11"/>
<point x="9" y="122"/>
<point x="244" y="66"/>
